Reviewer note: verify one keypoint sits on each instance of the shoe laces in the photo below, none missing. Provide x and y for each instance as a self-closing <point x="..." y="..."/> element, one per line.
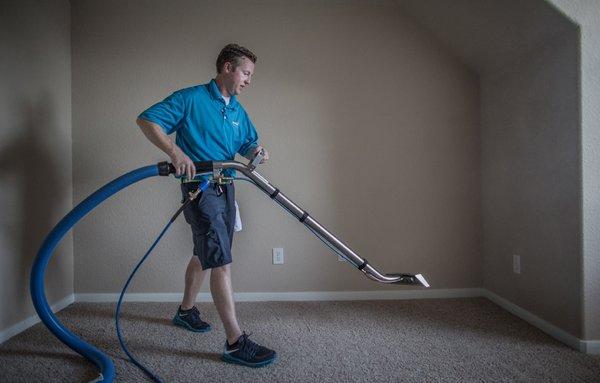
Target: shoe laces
<point x="247" y="346"/>
<point x="195" y="315"/>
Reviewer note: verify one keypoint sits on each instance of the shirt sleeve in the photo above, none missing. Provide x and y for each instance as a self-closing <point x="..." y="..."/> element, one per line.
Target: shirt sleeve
<point x="168" y="113"/>
<point x="250" y="141"/>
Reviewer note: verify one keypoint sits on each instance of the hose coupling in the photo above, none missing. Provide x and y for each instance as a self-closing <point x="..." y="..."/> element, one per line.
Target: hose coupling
<point x="192" y="195"/>
<point x="222" y="180"/>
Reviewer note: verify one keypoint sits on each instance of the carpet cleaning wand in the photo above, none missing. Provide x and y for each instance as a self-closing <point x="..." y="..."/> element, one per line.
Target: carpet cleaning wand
<point x="329" y="239"/>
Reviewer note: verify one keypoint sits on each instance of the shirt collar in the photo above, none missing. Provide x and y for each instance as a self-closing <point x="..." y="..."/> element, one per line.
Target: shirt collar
<point x="215" y="94"/>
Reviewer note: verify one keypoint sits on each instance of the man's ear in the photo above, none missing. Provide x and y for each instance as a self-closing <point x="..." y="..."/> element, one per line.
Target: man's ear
<point x="228" y="67"/>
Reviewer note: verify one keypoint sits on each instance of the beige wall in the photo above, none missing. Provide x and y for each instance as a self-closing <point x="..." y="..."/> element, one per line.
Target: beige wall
<point x="532" y="181"/>
<point x="372" y="127"/>
<point x="539" y="146"/>
<point x="587" y="13"/>
<point x="35" y="149"/>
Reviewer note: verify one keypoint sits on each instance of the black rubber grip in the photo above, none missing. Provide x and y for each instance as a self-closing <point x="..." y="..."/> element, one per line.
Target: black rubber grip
<point x="163" y="168"/>
<point x="364" y="264"/>
<point x="275" y="193"/>
<point x="304" y="216"/>
<point x="201" y="167"/>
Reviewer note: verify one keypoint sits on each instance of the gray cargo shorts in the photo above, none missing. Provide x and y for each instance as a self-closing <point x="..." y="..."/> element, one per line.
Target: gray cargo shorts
<point x="212" y="217"/>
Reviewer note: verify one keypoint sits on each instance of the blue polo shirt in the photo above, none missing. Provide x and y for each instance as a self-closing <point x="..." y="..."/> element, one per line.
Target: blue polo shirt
<point x="207" y="129"/>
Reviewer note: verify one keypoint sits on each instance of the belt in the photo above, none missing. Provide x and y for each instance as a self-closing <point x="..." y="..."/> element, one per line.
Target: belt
<point x="223" y="182"/>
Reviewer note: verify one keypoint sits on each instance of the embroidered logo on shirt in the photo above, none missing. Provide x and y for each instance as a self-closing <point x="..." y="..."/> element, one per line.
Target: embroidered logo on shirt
<point x="235" y="123"/>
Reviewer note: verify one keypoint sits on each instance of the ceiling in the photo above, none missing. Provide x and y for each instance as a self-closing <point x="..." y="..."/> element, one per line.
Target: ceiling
<point x="486" y="34"/>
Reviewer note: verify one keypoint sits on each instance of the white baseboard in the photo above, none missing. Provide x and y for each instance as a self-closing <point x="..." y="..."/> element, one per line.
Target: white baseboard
<point x="294" y="296"/>
<point x="25" y="324"/>
<point x="591" y="347"/>
<point x="587" y="346"/>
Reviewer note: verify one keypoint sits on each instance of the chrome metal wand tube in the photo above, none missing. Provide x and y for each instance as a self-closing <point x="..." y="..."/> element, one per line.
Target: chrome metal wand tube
<point x="316" y="227"/>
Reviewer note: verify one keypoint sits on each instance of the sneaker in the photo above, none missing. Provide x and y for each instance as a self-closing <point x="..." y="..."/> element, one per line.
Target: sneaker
<point x="190" y="319"/>
<point x="247" y="353"/>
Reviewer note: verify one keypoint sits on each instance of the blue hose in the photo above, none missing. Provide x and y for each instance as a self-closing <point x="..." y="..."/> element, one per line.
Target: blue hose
<point x="38" y="295"/>
<point x="202" y="187"/>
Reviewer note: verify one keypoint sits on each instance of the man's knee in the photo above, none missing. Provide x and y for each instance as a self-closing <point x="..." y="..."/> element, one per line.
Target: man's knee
<point x="195" y="263"/>
<point x="221" y="271"/>
<point x="220" y="282"/>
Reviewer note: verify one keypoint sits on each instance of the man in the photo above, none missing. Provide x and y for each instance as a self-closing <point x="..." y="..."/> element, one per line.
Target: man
<point x="211" y="125"/>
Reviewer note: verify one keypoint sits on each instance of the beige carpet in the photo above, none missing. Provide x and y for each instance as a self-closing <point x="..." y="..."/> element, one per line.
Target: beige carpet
<point x="453" y="340"/>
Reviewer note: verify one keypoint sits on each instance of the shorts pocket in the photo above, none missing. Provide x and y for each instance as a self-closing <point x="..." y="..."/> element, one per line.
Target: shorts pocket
<point x="211" y="249"/>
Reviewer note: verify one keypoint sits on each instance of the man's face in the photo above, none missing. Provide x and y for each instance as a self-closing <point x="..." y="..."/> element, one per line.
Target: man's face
<point x="236" y="80"/>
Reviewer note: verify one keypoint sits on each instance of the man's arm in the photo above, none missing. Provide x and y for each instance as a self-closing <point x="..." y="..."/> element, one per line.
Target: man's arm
<point x="182" y="163"/>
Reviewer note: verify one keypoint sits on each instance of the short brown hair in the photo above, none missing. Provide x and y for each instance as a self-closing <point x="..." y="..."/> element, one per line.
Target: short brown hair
<point x="234" y="54"/>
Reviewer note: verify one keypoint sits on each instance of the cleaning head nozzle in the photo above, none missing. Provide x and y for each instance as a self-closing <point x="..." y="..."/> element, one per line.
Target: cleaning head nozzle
<point x="422" y="279"/>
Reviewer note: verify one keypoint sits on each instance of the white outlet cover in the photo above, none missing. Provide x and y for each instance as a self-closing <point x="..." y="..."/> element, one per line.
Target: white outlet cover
<point x="516" y="264"/>
<point x="278" y="256"/>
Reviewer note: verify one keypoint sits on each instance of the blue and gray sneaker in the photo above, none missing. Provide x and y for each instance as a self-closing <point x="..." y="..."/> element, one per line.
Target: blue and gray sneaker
<point x="247" y="353"/>
<point x="190" y="319"/>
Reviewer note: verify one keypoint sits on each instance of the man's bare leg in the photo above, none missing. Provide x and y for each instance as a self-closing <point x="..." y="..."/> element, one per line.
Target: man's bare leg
<point x="194" y="275"/>
<point x="222" y="293"/>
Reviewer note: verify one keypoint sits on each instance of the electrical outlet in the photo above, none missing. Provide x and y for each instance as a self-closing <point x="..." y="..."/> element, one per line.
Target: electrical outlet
<point x="516" y="264"/>
<point x="278" y="255"/>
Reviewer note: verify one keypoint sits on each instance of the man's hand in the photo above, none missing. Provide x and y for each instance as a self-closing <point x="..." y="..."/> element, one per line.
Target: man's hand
<point x="257" y="150"/>
<point x="182" y="163"/>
